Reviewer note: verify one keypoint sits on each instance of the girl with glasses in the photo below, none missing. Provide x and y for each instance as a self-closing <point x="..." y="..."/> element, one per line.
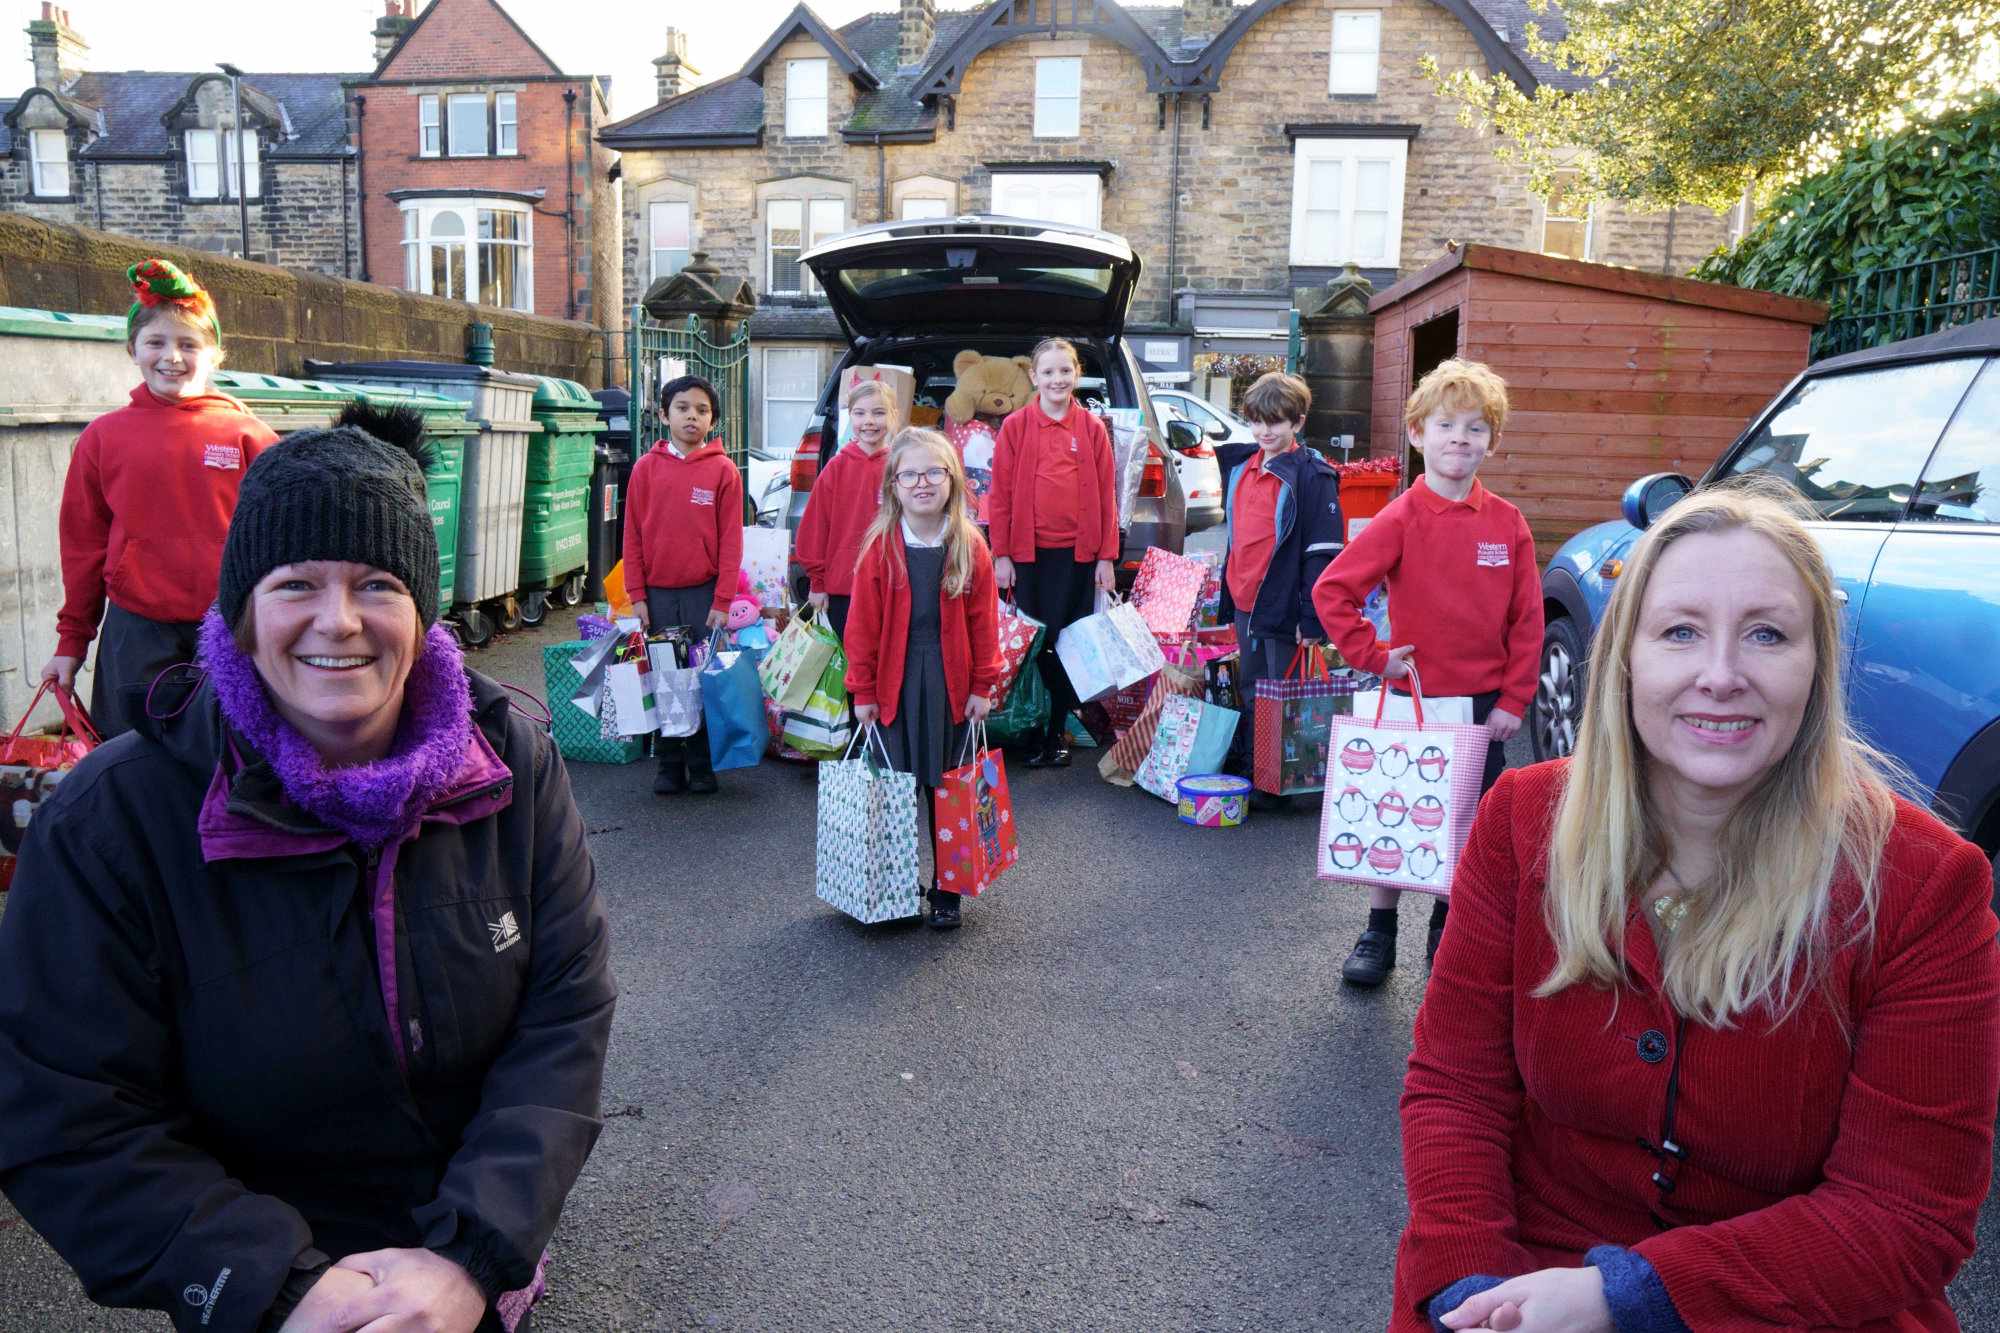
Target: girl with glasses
<point x="922" y="640"/>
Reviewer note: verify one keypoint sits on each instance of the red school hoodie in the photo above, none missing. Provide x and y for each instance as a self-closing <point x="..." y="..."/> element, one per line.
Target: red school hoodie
<point x="145" y="508"/>
<point x="684" y="521"/>
<point x="843" y="502"/>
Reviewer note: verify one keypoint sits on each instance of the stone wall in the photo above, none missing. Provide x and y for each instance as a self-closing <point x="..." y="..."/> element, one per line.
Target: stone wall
<point x="274" y="318"/>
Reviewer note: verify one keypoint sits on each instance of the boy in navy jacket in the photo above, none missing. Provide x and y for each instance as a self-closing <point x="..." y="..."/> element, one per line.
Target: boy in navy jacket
<point x="1282" y="506"/>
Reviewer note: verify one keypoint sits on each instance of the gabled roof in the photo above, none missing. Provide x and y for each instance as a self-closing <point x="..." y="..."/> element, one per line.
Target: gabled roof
<point x="1508" y="20"/>
<point x="433" y="8"/>
<point x="128" y="107"/>
<point x="803" y="20"/>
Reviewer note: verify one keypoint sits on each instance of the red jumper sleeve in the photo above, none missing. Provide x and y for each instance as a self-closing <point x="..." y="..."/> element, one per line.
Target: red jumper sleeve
<point x="982" y="623"/>
<point x="1894" y="1216"/>
<point x="815" y="525"/>
<point x="1341" y="590"/>
<point x="1107" y="494"/>
<point x="1001" y="496"/>
<point x="1463" y="1091"/>
<point x="637" y="499"/>
<point x="728" y="535"/>
<point x="863" y="639"/>
<point x="1524" y="626"/>
<point x="83" y="532"/>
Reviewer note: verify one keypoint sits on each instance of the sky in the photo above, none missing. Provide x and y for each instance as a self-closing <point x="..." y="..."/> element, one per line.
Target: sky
<point x="619" y="38"/>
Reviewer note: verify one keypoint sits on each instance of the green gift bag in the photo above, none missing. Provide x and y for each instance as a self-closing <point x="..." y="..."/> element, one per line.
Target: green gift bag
<point x="823" y="728"/>
<point x="1024" y="715"/>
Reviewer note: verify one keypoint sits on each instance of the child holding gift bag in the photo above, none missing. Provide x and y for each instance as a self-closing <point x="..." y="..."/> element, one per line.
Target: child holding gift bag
<point x="844" y="501"/>
<point x="1053" y="516"/>
<point x="684" y="547"/>
<point x="1464" y="596"/>
<point x="922" y="641"/>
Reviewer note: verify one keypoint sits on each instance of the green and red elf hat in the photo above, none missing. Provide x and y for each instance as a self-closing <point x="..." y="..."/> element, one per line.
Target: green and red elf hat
<point x="161" y="282"/>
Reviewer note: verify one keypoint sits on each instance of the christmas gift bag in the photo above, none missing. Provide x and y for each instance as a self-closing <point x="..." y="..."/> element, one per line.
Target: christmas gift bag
<point x="630" y="697"/>
<point x="1167" y="590"/>
<point x="1024" y="712"/>
<point x="791" y="670"/>
<point x="1108" y="650"/>
<point x="1208" y="607"/>
<point x="32" y="766"/>
<point x="1019" y="633"/>
<point x="975" y="819"/>
<point x="1295" y="715"/>
<point x="1192" y="737"/>
<point x="576" y="727"/>
<point x="866" y="859"/>
<point x="1400" y="797"/>
<point x="1122" y="760"/>
<point x="732" y="706"/>
<point x="766" y="552"/>
<point x="824" y="727"/>
<point x="676" y="691"/>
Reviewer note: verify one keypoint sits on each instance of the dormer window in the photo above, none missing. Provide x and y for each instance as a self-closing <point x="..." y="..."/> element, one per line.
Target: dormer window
<point x="805" y="99"/>
<point x="49" y="158"/>
<point x="213" y="170"/>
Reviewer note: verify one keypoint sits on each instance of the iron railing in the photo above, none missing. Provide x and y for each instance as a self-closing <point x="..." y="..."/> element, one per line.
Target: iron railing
<point x="1886" y="305"/>
<point x="661" y="352"/>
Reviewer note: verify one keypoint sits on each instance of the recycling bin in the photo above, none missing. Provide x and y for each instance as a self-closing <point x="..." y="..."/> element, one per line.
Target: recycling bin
<point x="608" y="478"/>
<point x="554" y="534"/>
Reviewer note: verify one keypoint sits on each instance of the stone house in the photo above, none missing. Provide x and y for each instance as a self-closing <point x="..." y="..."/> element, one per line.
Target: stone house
<point x="1247" y="151"/>
<point x="480" y="175"/>
<point x="155" y="155"/>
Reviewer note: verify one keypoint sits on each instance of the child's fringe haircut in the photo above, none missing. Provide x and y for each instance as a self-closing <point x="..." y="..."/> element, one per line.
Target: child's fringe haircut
<point x="1459" y="385"/>
<point x="960" y="536"/>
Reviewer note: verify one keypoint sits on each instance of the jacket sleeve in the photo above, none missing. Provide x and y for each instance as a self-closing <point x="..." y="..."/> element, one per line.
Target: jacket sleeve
<point x="728" y="536"/>
<point x="83" y="528"/>
<point x="1003" y="494"/>
<point x="538" y="1111"/>
<point x="1463" y="1087"/>
<point x="810" y="546"/>
<point x="1895" y="1212"/>
<point x="863" y="639"/>
<point x="637" y="487"/>
<point x="982" y="623"/>
<point x="97" y="1153"/>
<point x="1338" y="595"/>
<point x="1107" y="494"/>
<point x="1323" y="539"/>
<point x="1524" y="626"/>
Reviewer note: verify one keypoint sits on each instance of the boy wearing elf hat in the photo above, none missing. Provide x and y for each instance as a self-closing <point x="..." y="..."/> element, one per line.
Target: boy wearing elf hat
<point x="147" y="500"/>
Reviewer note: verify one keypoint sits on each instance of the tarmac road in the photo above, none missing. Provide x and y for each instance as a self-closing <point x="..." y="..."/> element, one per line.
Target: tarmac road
<point x="1130" y="1093"/>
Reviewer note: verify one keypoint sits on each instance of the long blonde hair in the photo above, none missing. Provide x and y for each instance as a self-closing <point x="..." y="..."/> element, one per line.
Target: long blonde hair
<point x="1759" y="934"/>
<point x="961" y="539"/>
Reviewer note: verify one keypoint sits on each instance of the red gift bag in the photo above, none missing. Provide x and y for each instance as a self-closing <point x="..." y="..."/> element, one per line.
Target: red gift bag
<point x="27" y="763"/>
<point x="1017" y="630"/>
<point x="975" y="820"/>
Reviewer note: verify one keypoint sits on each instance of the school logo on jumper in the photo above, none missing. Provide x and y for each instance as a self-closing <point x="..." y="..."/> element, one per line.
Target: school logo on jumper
<point x="506" y="934"/>
<point x="227" y="457"/>
<point x="1492" y="555"/>
<point x="702" y="496"/>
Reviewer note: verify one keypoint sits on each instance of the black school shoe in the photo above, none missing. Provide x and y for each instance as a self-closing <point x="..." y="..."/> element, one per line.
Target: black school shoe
<point x="944" y="910"/>
<point x="1368" y="966"/>
<point x="671" y="780"/>
<point x="1053" y="754"/>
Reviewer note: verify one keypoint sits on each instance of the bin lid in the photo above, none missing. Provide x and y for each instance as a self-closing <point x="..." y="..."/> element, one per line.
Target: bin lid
<point x="442" y="416"/>
<point x="615" y="406"/>
<point x="256" y="387"/>
<point x="25" y="323"/>
<point x="418" y="370"/>
<point x="561" y="395"/>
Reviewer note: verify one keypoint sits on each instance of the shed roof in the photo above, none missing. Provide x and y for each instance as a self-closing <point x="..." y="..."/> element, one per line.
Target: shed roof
<point x="1603" y="277"/>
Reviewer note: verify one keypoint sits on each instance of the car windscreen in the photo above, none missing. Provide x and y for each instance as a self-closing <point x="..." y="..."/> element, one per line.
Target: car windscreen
<point x="1855" y="444"/>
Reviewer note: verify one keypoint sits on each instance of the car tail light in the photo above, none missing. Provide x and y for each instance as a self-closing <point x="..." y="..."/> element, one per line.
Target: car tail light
<point x="805" y="459"/>
<point x="1153" y="479"/>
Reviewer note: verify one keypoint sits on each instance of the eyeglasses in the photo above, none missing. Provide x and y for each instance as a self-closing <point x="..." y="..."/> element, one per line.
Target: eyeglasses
<point x="910" y="478"/>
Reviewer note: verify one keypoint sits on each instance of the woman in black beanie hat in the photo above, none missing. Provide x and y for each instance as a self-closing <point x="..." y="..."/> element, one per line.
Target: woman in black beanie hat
<point x="304" y="984"/>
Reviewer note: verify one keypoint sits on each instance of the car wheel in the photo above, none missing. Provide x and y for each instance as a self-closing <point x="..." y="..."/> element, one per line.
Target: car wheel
<point x="1557" y="709"/>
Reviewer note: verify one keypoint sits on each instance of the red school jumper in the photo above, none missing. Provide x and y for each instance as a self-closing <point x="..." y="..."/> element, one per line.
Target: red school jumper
<point x="1462" y="588"/>
<point x="145" y="509"/>
<point x="684" y="522"/>
<point x="842" y="504"/>
<point x="878" y="631"/>
<point x="1014" y="507"/>
<point x="1827" y="1184"/>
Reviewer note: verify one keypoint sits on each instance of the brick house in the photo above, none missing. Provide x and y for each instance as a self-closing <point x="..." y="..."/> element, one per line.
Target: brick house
<point x="1247" y="151"/>
<point x="481" y="178"/>
<point x="155" y="156"/>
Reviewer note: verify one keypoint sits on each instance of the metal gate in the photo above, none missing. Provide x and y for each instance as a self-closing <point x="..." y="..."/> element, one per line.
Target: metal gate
<point x="660" y="352"/>
<point x="1886" y="305"/>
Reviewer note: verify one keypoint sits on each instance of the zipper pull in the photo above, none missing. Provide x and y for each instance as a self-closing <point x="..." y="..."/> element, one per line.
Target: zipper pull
<point x="416" y="1036"/>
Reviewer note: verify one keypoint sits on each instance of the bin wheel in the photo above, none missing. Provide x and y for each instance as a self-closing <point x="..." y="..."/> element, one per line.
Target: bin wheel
<point x="510" y="613"/>
<point x="535" y="607"/>
<point x="571" y="592"/>
<point x="475" y="627"/>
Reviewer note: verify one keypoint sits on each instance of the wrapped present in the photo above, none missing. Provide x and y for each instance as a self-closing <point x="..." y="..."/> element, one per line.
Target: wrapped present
<point x="1214" y="800"/>
<point x="975" y="820"/>
<point x="975" y="441"/>
<point x="866" y="859"/>
<point x="1167" y="590"/>
<point x="1129" y="751"/>
<point x="1019" y="634"/>
<point x="1192" y="737"/>
<point x="1208" y="607"/>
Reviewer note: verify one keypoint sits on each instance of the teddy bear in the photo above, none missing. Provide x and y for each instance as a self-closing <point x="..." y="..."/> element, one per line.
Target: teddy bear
<point x="988" y="388"/>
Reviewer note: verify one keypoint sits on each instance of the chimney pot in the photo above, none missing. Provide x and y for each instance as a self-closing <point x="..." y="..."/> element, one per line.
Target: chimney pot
<point x="673" y="68"/>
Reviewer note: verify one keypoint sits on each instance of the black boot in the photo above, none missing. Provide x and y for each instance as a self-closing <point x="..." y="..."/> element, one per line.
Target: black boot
<point x="944" y="909"/>
<point x="1055" y="749"/>
<point x="700" y="768"/>
<point x="672" y="778"/>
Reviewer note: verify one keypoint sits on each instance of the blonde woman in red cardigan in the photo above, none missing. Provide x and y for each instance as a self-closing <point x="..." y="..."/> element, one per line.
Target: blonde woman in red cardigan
<point x="1713" y="1040"/>
<point x="923" y="630"/>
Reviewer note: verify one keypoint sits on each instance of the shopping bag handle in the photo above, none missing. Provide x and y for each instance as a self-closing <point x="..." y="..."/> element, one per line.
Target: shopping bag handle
<point x="1304" y="659"/>
<point x="74" y="717"/>
<point x="1416" y="694"/>
<point x="975" y="743"/>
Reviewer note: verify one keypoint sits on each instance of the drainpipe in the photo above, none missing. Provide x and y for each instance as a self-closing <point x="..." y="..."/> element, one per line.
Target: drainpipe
<point x="569" y="191"/>
<point x="346" y="232"/>
<point x="881" y="179"/>
<point x="1667" y="261"/>
<point x="1174" y="212"/>
<point x="97" y="185"/>
<point x="361" y="180"/>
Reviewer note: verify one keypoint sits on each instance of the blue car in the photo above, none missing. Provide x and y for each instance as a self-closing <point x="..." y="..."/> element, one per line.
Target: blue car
<point x="1898" y="448"/>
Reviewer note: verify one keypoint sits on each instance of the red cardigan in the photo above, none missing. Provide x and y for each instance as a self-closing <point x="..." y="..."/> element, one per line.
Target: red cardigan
<point x="839" y="508"/>
<point x="878" y="632"/>
<point x="1010" y="504"/>
<point x="1823" y="1186"/>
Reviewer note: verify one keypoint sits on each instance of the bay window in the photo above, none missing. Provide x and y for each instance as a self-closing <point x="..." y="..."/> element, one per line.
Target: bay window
<point x="470" y="250"/>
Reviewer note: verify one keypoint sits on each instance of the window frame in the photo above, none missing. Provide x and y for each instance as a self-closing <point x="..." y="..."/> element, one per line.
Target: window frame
<point x="654" y="251"/>
<point x="221" y="142"/>
<point x="507" y="144"/>
<point x="810" y="233"/>
<point x="451" y="103"/>
<point x="430" y="125"/>
<point x="795" y="128"/>
<point x="1351" y="154"/>
<point x="765" y="398"/>
<point x="40" y="166"/>
<point x="418" y="241"/>
<point x="1335" y="51"/>
<point x="1072" y="127"/>
<point x="1589" y="220"/>
<point x="1015" y="179"/>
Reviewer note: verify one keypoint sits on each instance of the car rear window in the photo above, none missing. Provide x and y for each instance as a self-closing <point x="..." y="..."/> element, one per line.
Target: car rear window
<point x="1025" y="280"/>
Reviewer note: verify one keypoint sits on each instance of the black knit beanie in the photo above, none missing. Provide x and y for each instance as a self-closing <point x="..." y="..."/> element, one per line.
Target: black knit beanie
<point x="354" y="492"/>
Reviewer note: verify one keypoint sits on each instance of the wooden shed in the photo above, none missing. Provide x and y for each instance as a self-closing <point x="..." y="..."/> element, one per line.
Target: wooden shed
<point x="1611" y="373"/>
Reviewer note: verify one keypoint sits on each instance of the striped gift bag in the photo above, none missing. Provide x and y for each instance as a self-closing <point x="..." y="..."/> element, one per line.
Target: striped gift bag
<point x="1123" y="759"/>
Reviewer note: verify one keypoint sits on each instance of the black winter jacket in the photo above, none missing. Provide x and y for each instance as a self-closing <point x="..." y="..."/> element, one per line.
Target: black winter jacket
<point x="197" y="1080"/>
<point x="1310" y="534"/>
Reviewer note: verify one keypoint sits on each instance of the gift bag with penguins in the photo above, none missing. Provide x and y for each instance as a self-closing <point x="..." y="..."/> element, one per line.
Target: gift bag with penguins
<point x="1399" y="802"/>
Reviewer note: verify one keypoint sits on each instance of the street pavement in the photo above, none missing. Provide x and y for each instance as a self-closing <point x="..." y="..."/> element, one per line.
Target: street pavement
<point x="1131" y="1093"/>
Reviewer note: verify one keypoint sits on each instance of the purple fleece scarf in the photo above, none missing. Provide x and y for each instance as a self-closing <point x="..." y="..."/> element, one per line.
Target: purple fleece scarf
<point x="373" y="803"/>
